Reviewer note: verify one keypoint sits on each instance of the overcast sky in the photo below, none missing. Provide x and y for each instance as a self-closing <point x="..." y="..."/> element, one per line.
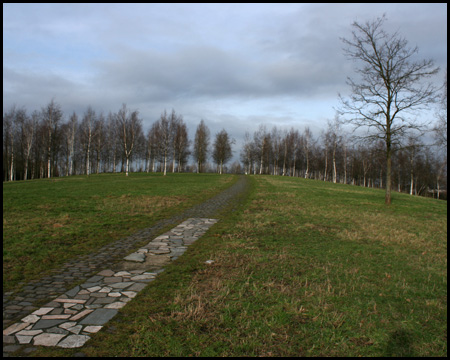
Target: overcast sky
<point x="234" y="65"/>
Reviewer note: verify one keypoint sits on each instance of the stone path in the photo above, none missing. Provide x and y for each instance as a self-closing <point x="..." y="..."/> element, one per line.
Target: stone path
<point x="33" y="298"/>
<point x="69" y="319"/>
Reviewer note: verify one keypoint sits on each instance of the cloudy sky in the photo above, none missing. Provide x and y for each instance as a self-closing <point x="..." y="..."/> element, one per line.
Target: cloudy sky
<point x="234" y="65"/>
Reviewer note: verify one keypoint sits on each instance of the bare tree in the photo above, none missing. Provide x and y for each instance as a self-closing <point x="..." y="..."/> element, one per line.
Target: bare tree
<point x="182" y="143"/>
<point x="150" y="147"/>
<point x="440" y="130"/>
<point x="9" y="130"/>
<point x="99" y="140"/>
<point x="287" y="150"/>
<point x="28" y="131"/>
<point x="276" y="149"/>
<point x="389" y="85"/>
<point x="174" y="122"/>
<point x="86" y="135"/>
<point x="164" y="136"/>
<point x="70" y="141"/>
<point x="295" y="143"/>
<point x="333" y="139"/>
<point x="201" y="144"/>
<point x="112" y="141"/>
<point x="129" y="128"/>
<point x="262" y="141"/>
<point x="307" y="144"/>
<point x="247" y="154"/>
<point x="222" y="149"/>
<point x="51" y="116"/>
<point x="440" y="135"/>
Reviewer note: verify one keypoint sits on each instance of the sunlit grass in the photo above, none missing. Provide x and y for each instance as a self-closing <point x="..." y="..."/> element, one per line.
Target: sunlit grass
<point x="303" y="268"/>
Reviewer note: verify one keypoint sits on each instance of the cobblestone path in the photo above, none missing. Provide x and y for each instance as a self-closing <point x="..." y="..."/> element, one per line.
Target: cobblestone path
<point x="109" y="278"/>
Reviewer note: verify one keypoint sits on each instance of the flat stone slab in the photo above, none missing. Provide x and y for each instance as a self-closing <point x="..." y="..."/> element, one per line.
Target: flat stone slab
<point x="15" y="327"/>
<point x="46" y="339"/>
<point x="138" y="257"/>
<point x="45" y="324"/>
<point x="99" y="317"/>
<point x="74" y="341"/>
<point x="121" y="285"/>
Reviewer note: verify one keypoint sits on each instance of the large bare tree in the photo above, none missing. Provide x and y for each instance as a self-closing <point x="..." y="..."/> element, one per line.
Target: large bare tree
<point x="389" y="85"/>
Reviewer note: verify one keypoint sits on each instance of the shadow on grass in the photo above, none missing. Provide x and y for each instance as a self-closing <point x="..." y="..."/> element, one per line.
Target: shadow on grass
<point x="399" y="343"/>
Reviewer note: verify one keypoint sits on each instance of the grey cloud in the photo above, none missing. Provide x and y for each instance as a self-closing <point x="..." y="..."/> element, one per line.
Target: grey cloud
<point x="195" y="71"/>
<point x="237" y="58"/>
<point x="28" y="88"/>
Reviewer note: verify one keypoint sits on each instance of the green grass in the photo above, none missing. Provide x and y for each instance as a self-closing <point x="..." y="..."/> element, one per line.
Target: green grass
<point x="302" y="268"/>
<point x="46" y="222"/>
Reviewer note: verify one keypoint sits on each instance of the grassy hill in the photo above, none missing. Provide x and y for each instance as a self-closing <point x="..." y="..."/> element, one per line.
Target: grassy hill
<point x="303" y="268"/>
<point x="47" y="221"/>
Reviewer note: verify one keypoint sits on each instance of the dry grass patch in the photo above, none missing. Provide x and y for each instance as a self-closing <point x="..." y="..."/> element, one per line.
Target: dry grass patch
<point x="143" y="204"/>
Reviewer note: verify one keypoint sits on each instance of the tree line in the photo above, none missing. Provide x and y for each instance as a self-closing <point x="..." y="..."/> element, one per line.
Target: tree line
<point x="338" y="157"/>
<point x="43" y="145"/>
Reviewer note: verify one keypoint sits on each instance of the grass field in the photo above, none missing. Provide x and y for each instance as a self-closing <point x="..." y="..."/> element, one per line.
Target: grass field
<point x="302" y="268"/>
<point x="46" y="222"/>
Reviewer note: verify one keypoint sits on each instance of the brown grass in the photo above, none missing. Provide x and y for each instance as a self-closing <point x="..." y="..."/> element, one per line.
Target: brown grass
<point x="139" y="204"/>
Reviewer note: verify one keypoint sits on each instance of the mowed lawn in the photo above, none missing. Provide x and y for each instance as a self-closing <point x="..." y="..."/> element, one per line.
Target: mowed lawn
<point x="302" y="268"/>
<point x="48" y="221"/>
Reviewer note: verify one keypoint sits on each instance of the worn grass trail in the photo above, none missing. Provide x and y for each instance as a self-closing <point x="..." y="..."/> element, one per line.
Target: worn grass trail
<point x="47" y="222"/>
<point x="302" y="268"/>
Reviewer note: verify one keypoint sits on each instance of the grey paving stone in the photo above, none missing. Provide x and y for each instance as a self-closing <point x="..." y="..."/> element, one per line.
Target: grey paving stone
<point x="99" y="317"/>
<point x="138" y="257"/>
<point x="73" y="292"/>
<point x="121" y="285"/>
<point x="45" y="324"/>
<point x="73" y="341"/>
<point x="46" y="339"/>
<point x="95" y="278"/>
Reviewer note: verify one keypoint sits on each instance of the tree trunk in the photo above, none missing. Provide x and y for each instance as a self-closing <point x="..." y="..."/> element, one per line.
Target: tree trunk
<point x="388" y="176"/>
<point x="165" y="164"/>
<point x="307" y="166"/>
<point x="12" y="167"/>
<point x="48" y="163"/>
<point x="334" y="166"/>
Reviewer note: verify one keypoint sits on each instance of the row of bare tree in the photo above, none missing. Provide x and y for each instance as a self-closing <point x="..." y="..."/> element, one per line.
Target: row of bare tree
<point x="338" y="157"/>
<point x="41" y="144"/>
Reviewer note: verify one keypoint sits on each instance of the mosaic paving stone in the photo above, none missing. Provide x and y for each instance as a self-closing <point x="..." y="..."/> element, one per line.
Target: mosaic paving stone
<point x="69" y="318"/>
